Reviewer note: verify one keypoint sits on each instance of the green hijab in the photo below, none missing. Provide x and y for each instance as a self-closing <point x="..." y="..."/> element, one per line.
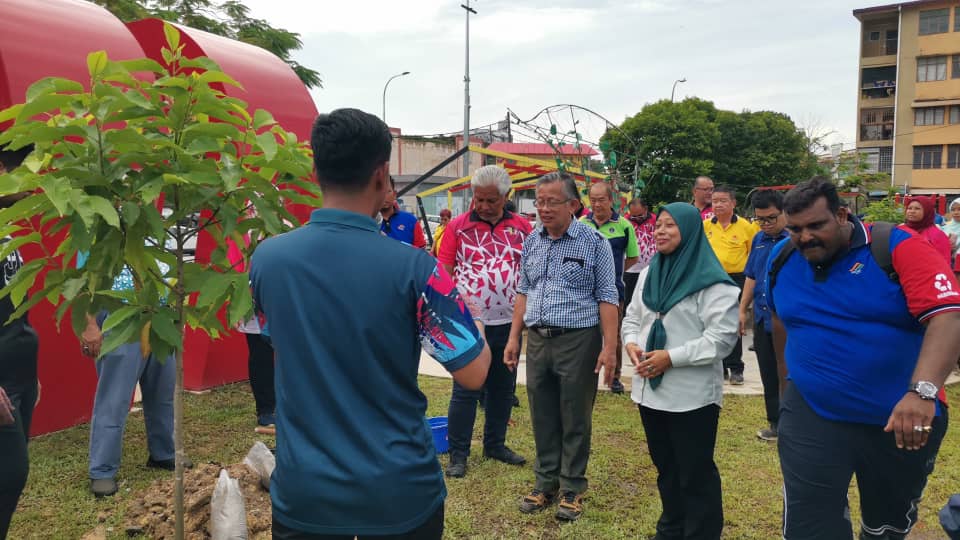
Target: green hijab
<point x="690" y="268"/>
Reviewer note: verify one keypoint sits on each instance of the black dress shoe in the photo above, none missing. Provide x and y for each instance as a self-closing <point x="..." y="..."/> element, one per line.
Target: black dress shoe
<point x="505" y="455"/>
<point x="616" y="386"/>
<point x="457" y="467"/>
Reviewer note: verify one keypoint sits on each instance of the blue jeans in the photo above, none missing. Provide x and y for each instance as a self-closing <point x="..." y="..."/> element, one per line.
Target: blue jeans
<point x="500" y="385"/>
<point x="118" y="373"/>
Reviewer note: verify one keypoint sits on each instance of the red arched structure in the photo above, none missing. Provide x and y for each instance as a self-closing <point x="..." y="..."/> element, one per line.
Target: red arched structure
<point x="44" y="38"/>
<point x="267" y="83"/>
<point x="51" y="38"/>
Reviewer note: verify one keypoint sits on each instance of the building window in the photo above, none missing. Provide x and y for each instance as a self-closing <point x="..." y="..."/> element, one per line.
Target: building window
<point x="932" y="68"/>
<point x="891" y="47"/>
<point x="876" y="124"/>
<point x="934" y="21"/>
<point x="953" y="156"/>
<point x="886" y="159"/>
<point x="928" y="116"/>
<point x="927" y="157"/>
<point x="956" y="67"/>
<point x="874" y="36"/>
<point x="956" y="19"/>
<point x="955" y="114"/>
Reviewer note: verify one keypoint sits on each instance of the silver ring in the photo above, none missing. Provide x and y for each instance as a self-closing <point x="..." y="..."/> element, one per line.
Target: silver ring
<point x="919" y="429"/>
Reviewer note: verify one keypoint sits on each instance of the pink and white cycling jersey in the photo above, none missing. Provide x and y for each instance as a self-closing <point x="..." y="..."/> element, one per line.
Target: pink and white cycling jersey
<point x="486" y="261"/>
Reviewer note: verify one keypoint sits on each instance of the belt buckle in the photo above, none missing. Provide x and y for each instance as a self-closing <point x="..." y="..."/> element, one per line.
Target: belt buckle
<point x="544" y="332"/>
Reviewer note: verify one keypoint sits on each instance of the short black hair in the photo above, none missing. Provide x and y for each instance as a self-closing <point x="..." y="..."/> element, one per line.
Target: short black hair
<point x="638" y="199"/>
<point x="765" y="198"/>
<point x="806" y="194"/>
<point x="726" y="189"/>
<point x="11" y="159"/>
<point x="348" y="144"/>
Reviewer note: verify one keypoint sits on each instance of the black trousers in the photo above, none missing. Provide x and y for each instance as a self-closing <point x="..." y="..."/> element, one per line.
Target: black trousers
<point x="767" y="360"/>
<point x="681" y="447"/>
<point x="14" y="462"/>
<point x="498" y="403"/>
<point x="432" y="529"/>
<point x="819" y="457"/>
<point x="630" y="282"/>
<point x="260" y="367"/>
<point x="734" y="360"/>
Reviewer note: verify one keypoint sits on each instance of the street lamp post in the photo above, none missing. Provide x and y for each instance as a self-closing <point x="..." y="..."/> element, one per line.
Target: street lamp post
<point x="384" y="115"/>
<point x="681" y="80"/>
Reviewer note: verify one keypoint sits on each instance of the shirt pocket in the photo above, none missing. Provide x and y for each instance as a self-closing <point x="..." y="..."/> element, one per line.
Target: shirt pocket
<point x="576" y="272"/>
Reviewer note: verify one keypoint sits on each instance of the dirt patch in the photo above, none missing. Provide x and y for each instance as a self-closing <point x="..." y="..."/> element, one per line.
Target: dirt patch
<point x="152" y="514"/>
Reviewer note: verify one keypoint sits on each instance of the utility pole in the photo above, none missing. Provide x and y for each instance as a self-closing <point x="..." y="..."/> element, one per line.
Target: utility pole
<point x="466" y="92"/>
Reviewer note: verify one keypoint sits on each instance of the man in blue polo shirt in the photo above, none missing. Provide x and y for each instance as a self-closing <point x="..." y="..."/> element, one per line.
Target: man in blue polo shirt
<point x="400" y="225"/>
<point x="865" y="356"/>
<point x="768" y="212"/>
<point x="355" y="455"/>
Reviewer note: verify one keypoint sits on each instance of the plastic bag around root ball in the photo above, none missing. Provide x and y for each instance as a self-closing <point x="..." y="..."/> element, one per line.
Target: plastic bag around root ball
<point x="228" y="517"/>
<point x="262" y="461"/>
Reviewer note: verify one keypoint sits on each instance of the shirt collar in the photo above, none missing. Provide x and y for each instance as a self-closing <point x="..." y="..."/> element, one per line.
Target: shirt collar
<point x="860" y="236"/>
<point x="474" y="216"/>
<point x="714" y="218"/>
<point x="614" y="217"/>
<point x="343" y="217"/>
<point x="783" y="234"/>
<point x="572" y="231"/>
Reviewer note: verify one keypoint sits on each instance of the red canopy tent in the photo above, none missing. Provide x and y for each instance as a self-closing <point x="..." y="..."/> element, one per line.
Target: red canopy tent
<point x="44" y="38"/>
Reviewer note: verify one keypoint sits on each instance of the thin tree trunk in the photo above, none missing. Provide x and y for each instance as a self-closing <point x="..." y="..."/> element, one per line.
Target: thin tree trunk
<point x="178" y="446"/>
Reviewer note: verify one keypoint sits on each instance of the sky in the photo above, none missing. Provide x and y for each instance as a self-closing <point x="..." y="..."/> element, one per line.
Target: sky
<point x="609" y="56"/>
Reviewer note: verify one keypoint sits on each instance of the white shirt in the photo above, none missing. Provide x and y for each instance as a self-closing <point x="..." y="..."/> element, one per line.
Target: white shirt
<point x="701" y="330"/>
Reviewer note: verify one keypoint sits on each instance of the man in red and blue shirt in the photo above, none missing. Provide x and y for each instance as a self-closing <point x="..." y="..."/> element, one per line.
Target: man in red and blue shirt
<point x="355" y="456"/>
<point x="400" y="225"/>
<point x="482" y="249"/>
<point x="865" y="356"/>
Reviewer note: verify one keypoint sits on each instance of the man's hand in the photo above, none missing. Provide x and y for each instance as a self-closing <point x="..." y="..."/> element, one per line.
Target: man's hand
<point x="910" y="421"/>
<point x="608" y="361"/>
<point x="91" y="339"/>
<point x="743" y="322"/>
<point x="511" y="354"/>
<point x="6" y="409"/>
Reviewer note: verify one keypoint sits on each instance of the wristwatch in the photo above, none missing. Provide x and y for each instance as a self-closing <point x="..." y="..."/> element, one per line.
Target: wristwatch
<point x="925" y="389"/>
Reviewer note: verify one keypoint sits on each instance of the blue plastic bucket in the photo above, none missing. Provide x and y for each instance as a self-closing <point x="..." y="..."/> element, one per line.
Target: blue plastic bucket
<point x="438" y="425"/>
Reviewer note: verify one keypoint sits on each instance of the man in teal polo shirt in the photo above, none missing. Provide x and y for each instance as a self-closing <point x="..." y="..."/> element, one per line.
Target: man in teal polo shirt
<point x="355" y="455"/>
<point x="623" y="241"/>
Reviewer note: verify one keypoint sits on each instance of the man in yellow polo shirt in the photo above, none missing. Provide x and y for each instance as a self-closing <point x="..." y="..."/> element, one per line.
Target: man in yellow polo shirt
<point x="730" y="237"/>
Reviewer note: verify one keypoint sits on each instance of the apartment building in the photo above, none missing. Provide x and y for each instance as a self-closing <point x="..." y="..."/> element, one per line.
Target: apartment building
<point x="908" y="109"/>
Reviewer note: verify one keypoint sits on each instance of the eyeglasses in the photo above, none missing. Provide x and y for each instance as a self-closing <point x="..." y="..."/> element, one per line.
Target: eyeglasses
<point x="549" y="204"/>
<point x="766" y="220"/>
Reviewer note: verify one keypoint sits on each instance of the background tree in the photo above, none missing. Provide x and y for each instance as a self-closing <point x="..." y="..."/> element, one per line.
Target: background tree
<point x="103" y="160"/>
<point x="676" y="142"/>
<point x="229" y="19"/>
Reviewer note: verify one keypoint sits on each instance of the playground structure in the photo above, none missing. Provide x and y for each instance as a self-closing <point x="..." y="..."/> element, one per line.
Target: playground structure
<point x="51" y="38"/>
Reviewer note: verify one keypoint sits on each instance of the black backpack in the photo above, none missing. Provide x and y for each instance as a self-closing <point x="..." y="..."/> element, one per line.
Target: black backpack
<point x="879" y="248"/>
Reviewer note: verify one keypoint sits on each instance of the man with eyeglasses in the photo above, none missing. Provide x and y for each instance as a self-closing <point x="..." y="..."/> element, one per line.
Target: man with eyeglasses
<point x="567" y="297"/>
<point x="768" y="212"/>
<point x="623" y="241"/>
<point x="730" y="236"/>
<point x="702" y="196"/>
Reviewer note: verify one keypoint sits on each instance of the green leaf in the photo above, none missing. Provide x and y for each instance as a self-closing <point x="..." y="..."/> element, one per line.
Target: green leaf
<point x="172" y="34"/>
<point x="96" y="62"/>
<point x="210" y="77"/>
<point x="142" y="64"/>
<point x="268" y="143"/>
<point x="125" y="332"/>
<point x="130" y="211"/>
<point x="52" y="85"/>
<point x="241" y="302"/>
<point x="120" y="316"/>
<point x="22" y="281"/>
<point x="216" y="287"/>
<point x="44" y="104"/>
<point x="163" y="325"/>
<point x="17" y="242"/>
<point x="262" y="118"/>
<point x="10" y="112"/>
<point x="105" y="209"/>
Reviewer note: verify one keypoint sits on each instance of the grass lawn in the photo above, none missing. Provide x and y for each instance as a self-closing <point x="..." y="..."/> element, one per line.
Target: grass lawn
<point x="622" y="501"/>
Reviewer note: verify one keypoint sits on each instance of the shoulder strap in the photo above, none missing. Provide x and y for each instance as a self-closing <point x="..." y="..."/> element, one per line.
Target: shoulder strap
<point x="778" y="263"/>
<point x="880" y="248"/>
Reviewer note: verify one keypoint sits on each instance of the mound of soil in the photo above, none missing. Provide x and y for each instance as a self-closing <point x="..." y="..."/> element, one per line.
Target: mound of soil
<point x="152" y="514"/>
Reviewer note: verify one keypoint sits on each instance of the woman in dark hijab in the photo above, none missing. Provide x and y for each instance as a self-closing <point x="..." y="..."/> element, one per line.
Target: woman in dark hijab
<point x="678" y="328"/>
<point x="919" y="216"/>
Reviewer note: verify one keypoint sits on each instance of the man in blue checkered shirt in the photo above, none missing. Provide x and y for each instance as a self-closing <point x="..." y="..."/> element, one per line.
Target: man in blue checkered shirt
<point x="566" y="295"/>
